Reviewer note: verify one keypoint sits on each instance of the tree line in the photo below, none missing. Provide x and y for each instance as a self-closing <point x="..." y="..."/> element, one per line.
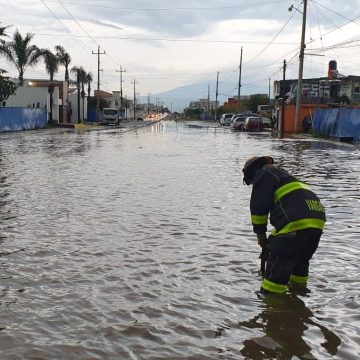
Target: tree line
<point x="251" y="104"/>
<point x="21" y="53"/>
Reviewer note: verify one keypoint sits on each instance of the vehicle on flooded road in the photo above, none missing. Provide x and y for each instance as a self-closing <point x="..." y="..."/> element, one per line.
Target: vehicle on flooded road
<point x="238" y="123"/>
<point x="110" y="116"/>
<point x="225" y="119"/>
<point x="253" y="124"/>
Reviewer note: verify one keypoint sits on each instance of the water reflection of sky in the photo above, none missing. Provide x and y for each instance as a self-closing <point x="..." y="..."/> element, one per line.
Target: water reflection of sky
<point x="142" y="240"/>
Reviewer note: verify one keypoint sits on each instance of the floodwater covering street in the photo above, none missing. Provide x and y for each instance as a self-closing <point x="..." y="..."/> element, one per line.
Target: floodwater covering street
<point x="139" y="245"/>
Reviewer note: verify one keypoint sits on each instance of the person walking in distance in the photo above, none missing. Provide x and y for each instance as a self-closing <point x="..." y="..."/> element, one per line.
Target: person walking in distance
<point x="298" y="218"/>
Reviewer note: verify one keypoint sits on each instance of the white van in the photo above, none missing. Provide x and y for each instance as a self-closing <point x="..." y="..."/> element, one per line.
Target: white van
<point x="111" y="116"/>
<point x="225" y="119"/>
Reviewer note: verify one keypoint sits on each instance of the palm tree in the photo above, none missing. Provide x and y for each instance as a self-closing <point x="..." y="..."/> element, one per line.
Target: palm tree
<point x="51" y="63"/>
<point x="2" y="33"/>
<point x="89" y="79"/>
<point x="21" y="54"/>
<point x="2" y="43"/>
<point x="64" y="59"/>
<point x="52" y="67"/>
<point x="80" y="83"/>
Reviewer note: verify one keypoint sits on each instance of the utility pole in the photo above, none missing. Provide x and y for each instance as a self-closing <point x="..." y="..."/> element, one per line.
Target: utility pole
<point x="269" y="89"/>
<point x="216" y="95"/>
<point x="78" y="94"/>
<point x="301" y="66"/>
<point x="98" y="53"/>
<point x="208" y="103"/>
<point x="135" y="82"/>
<point x="134" y="98"/>
<point x="148" y="107"/>
<point x="121" y="71"/>
<point x="283" y="100"/>
<point x="239" y="84"/>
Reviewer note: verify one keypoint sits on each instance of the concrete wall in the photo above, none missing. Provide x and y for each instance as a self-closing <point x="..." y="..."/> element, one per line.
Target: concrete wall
<point x="35" y="97"/>
<point x="289" y="118"/>
<point x="16" y="119"/>
<point x="73" y="101"/>
<point x="28" y="97"/>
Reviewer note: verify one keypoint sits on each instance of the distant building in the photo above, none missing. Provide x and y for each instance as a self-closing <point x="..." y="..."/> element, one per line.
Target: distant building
<point x="103" y="94"/>
<point x="203" y="105"/>
<point x="323" y="90"/>
<point x="231" y="104"/>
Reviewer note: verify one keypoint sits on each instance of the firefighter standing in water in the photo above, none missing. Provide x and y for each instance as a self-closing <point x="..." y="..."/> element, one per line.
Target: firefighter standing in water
<point x="298" y="218"/>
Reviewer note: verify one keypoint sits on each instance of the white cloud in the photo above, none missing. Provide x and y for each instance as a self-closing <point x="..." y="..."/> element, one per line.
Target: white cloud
<point x="159" y="65"/>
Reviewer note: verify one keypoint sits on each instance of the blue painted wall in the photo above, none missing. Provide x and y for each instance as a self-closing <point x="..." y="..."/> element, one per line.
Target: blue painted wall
<point x="16" y="119"/>
<point x="337" y="123"/>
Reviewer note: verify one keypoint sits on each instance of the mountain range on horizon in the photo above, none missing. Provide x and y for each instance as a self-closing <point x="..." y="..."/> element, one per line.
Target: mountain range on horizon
<point x="179" y="98"/>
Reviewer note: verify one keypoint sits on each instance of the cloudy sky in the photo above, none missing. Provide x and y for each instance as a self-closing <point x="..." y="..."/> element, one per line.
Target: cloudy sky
<point x="166" y="44"/>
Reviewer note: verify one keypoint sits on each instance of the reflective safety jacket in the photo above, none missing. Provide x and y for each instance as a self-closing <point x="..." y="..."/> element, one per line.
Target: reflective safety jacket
<point x="291" y="203"/>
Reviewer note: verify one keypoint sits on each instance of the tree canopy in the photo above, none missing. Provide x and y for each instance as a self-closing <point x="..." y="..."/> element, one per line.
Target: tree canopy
<point x="257" y="99"/>
<point x="7" y="88"/>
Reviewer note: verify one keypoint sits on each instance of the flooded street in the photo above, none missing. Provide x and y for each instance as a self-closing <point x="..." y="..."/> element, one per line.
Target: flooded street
<point x="139" y="245"/>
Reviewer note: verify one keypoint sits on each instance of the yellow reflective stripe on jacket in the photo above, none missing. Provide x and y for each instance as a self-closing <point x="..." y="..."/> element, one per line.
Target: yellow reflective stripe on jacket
<point x="273" y="287"/>
<point x="259" y="219"/>
<point x="285" y="189"/>
<point x="299" y="225"/>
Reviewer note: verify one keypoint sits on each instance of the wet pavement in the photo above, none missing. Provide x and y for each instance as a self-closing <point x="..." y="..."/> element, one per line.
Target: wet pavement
<point x="138" y="245"/>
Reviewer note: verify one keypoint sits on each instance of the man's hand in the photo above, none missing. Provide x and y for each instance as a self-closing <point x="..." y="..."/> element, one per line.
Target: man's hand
<point x="261" y="239"/>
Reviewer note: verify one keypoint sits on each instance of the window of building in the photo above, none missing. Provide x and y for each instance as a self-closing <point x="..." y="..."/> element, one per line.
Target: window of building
<point x="356" y="94"/>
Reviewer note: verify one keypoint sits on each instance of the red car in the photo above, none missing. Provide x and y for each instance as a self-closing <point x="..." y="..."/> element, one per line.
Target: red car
<point x="253" y="124"/>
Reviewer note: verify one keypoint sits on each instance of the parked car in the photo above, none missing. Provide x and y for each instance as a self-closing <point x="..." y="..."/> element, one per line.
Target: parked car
<point x="225" y="119"/>
<point x="253" y="124"/>
<point x="238" y="122"/>
<point x="111" y="116"/>
<point x="234" y="117"/>
<point x="140" y="118"/>
<point x="267" y="122"/>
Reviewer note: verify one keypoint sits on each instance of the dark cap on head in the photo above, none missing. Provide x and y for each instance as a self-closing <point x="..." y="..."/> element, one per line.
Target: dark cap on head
<point x="253" y="165"/>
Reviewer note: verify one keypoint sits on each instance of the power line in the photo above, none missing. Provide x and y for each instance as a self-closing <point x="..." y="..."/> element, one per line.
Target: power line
<point x="174" y="8"/>
<point x="272" y="41"/>
<point x="57" y="18"/>
<point x="336" y="13"/>
<point x="83" y="29"/>
<point x="165" y="39"/>
<point x="77" y="22"/>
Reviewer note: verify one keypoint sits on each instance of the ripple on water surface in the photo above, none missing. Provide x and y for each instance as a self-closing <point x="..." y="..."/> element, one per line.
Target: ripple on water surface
<point x="139" y="246"/>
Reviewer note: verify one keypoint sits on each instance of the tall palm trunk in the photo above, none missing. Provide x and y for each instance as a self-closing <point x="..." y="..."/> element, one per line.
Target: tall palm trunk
<point x="21" y="78"/>
<point x="51" y="91"/>
<point x="83" y="100"/>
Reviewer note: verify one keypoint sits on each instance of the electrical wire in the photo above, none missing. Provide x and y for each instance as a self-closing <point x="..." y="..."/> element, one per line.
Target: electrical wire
<point x="272" y="41"/>
<point x="83" y="29"/>
<point x="215" y="8"/>
<point x="163" y="39"/>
